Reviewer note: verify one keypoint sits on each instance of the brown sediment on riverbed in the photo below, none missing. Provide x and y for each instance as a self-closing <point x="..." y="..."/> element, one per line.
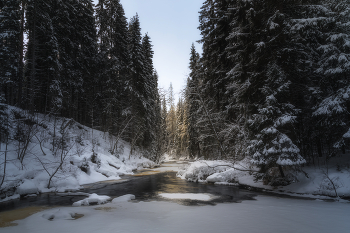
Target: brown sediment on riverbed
<point x="146" y="173"/>
<point x="105" y="209"/>
<point x="7" y="218"/>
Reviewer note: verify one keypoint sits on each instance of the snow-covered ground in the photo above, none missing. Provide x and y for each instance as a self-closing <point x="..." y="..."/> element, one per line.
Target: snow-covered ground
<point x="264" y="215"/>
<point x="317" y="182"/>
<point x="55" y="141"/>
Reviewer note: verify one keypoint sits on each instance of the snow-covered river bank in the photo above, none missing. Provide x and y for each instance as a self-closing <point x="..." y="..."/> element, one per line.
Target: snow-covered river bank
<point x="145" y="184"/>
<point x="159" y="207"/>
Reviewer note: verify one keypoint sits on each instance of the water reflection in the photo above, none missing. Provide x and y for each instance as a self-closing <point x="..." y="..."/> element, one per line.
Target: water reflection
<point x="145" y="188"/>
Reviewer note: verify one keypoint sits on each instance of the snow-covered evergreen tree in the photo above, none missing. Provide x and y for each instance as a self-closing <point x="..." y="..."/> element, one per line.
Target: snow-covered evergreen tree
<point x="158" y="130"/>
<point x="150" y="97"/>
<point x="215" y="26"/>
<point x="42" y="64"/>
<point x="10" y="72"/>
<point x="113" y="62"/>
<point x="163" y="127"/>
<point x="87" y="59"/>
<point x="136" y="83"/>
<point x="333" y="70"/>
<point x="171" y="121"/>
<point x="271" y="144"/>
<point x="181" y="135"/>
<point x="192" y="101"/>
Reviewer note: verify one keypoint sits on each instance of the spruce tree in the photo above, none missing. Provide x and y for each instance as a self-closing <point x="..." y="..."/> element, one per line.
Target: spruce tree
<point x="150" y="96"/>
<point x="158" y="130"/>
<point x="263" y="86"/>
<point x="181" y="137"/>
<point x="10" y="72"/>
<point x="171" y="121"/>
<point x="113" y="62"/>
<point x="136" y="83"/>
<point x="64" y="21"/>
<point x="333" y="69"/>
<point x="163" y="126"/>
<point x="215" y="27"/>
<point x="43" y="89"/>
<point x="193" y="105"/>
<point x="87" y="60"/>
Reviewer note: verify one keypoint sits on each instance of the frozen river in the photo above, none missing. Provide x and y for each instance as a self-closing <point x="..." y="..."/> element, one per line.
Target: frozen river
<point x="165" y="203"/>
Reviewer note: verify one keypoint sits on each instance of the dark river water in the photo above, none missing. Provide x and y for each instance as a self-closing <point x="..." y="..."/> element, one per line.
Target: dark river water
<point x="144" y="187"/>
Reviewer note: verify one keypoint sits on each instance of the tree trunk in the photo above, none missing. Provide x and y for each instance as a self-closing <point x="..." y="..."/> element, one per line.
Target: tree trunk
<point x="21" y="50"/>
<point x="281" y="171"/>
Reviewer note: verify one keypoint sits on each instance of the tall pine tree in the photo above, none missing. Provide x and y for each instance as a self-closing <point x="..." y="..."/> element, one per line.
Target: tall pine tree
<point x="10" y="72"/>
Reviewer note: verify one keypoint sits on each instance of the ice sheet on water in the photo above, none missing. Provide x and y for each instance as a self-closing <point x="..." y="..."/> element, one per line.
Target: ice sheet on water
<point x="266" y="214"/>
<point x="191" y="196"/>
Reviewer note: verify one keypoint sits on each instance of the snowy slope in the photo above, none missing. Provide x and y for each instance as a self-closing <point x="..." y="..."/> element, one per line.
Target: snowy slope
<point x="71" y="153"/>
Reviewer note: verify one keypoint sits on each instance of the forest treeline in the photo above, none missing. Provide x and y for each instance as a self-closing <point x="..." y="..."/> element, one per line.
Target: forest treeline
<point x="84" y="62"/>
<point x="272" y="84"/>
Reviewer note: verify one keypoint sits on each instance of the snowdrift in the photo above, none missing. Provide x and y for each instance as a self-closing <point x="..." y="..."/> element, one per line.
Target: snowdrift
<point x="50" y="154"/>
<point x="323" y="180"/>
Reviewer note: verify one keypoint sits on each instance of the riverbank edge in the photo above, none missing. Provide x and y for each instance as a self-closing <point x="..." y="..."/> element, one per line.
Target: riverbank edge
<point x="265" y="189"/>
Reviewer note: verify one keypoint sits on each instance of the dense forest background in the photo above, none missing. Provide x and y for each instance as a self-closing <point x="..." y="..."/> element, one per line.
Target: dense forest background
<point x="272" y="84"/>
<point x="71" y="59"/>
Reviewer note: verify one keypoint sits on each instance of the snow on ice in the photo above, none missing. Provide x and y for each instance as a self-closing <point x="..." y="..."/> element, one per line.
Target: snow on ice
<point x="191" y="196"/>
<point x="124" y="198"/>
<point x="263" y="215"/>
<point x="92" y="199"/>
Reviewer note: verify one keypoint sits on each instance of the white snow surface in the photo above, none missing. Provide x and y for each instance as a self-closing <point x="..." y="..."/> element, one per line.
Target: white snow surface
<point x="198" y="171"/>
<point x="92" y="199"/>
<point x="191" y="196"/>
<point x="27" y="187"/>
<point x="59" y="214"/>
<point x="264" y="215"/>
<point x="32" y="176"/>
<point x="124" y="198"/>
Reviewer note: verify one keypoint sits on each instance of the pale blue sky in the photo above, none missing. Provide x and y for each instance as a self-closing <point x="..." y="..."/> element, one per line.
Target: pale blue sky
<point x="172" y="26"/>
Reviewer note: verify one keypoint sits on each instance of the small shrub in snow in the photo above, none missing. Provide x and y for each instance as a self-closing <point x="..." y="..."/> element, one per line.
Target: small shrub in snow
<point x="96" y="160"/>
<point x="119" y="151"/>
<point x="85" y="166"/>
<point x="330" y="185"/>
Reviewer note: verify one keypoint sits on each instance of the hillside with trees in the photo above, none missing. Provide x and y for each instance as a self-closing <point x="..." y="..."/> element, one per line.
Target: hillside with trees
<point x="82" y="63"/>
<point x="71" y="61"/>
<point x="271" y="86"/>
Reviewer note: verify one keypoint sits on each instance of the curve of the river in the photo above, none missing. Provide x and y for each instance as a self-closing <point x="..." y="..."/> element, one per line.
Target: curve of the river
<point x="146" y="185"/>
